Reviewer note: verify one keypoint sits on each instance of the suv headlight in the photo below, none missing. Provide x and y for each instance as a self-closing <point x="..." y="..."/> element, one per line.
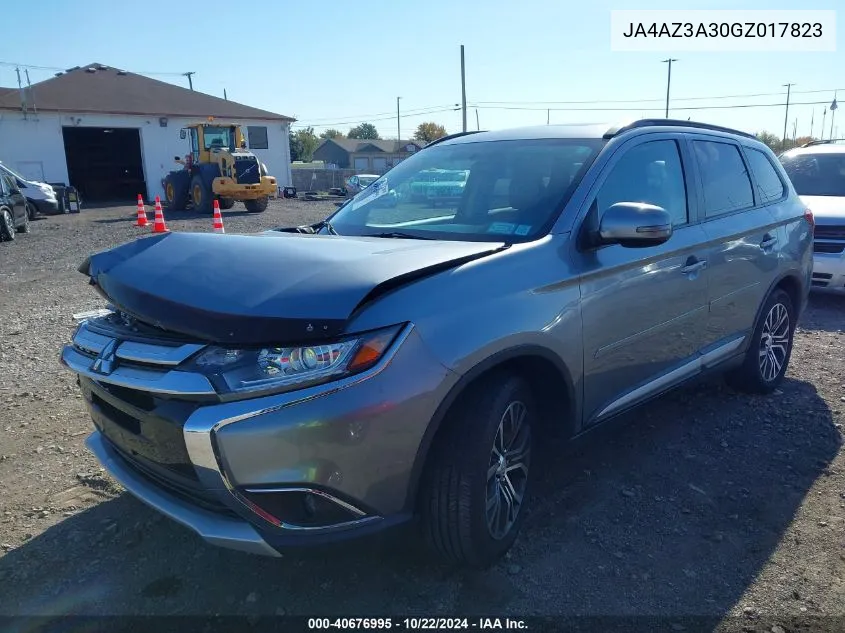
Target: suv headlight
<point x="236" y="371"/>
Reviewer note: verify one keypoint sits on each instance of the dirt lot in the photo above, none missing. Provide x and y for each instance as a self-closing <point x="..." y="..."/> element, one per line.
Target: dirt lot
<point x="704" y="503"/>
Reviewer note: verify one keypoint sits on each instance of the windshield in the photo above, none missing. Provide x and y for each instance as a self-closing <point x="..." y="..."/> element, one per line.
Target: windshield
<point x="366" y="181"/>
<point x="483" y="191"/>
<point x="218" y="137"/>
<point x="816" y="174"/>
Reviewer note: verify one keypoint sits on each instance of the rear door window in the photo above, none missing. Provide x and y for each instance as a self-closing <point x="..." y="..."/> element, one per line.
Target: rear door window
<point x="724" y="178"/>
<point x="770" y="187"/>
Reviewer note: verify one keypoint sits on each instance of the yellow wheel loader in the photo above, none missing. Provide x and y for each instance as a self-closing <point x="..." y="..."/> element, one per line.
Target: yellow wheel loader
<point x="218" y="167"/>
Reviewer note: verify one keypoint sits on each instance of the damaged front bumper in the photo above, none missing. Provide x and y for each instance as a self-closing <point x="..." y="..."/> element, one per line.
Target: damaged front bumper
<point x="308" y="466"/>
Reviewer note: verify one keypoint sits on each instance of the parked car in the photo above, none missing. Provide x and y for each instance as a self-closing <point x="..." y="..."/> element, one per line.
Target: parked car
<point x="356" y="184"/>
<point x="408" y="364"/>
<point x="817" y="172"/>
<point x="14" y="218"/>
<point x="40" y="197"/>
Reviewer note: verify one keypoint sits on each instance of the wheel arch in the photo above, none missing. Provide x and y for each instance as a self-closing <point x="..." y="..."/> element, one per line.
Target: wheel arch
<point x="789" y="282"/>
<point x="547" y="375"/>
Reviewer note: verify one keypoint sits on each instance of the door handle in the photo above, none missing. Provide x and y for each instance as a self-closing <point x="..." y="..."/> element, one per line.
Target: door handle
<point x="768" y="242"/>
<point x="694" y="266"/>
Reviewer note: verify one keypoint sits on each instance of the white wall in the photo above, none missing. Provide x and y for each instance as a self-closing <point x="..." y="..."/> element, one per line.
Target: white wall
<point x="39" y="140"/>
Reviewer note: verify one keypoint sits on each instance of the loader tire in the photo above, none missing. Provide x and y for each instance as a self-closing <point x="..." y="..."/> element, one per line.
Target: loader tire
<point x="227" y="203"/>
<point x="258" y="205"/>
<point x="200" y="195"/>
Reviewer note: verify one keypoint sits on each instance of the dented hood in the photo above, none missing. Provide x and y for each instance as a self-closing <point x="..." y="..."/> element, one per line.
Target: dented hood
<point x="268" y="288"/>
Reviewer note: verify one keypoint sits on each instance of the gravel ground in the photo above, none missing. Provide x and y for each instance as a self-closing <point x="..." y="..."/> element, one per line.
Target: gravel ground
<point x="703" y="503"/>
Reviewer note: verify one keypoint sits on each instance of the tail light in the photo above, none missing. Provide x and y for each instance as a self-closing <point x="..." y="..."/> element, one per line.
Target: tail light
<point x="808" y="215"/>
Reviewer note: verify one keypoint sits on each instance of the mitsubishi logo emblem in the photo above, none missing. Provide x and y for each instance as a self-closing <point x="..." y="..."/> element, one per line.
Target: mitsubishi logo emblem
<point x="104" y="364"/>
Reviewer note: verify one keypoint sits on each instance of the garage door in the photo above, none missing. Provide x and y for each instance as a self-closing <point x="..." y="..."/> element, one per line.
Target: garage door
<point x="105" y="163"/>
<point x="362" y="164"/>
<point x="379" y="165"/>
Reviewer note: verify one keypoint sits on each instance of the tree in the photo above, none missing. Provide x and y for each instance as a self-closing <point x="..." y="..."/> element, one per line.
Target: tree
<point x="365" y="130"/>
<point x="295" y="147"/>
<point x="308" y="142"/>
<point x="769" y="139"/>
<point x="332" y="133"/>
<point x="429" y="132"/>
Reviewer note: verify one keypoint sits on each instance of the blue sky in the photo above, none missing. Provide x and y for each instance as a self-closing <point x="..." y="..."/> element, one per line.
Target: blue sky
<point x="334" y="64"/>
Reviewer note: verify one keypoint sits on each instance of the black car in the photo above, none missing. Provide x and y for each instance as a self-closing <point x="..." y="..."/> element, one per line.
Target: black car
<point x="13" y="212"/>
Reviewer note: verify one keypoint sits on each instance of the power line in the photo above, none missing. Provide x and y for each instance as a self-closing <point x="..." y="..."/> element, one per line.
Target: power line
<point x="674" y="99"/>
<point x="388" y="117"/>
<point x="593" y="109"/>
<point x="65" y="69"/>
<point x="354" y="118"/>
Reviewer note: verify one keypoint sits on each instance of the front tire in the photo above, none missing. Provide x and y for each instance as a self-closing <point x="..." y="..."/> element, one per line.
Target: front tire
<point x="227" y="203"/>
<point x="258" y="205"/>
<point x="200" y="195"/>
<point x="477" y="479"/>
<point x="23" y="227"/>
<point x="176" y="194"/>
<point x="7" y="226"/>
<point x="767" y="358"/>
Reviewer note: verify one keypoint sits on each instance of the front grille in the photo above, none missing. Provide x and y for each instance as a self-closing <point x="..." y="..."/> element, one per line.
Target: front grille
<point x="188" y="490"/>
<point x="828" y="247"/>
<point x="829" y="232"/>
<point x="247" y="171"/>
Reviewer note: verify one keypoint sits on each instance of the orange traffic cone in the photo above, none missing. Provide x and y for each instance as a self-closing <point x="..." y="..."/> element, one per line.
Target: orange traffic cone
<point x="142" y="213"/>
<point x="218" y="219"/>
<point x="159" y="226"/>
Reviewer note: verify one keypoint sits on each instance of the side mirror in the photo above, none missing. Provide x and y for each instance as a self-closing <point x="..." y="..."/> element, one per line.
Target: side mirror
<point x="182" y="134"/>
<point x="635" y="225"/>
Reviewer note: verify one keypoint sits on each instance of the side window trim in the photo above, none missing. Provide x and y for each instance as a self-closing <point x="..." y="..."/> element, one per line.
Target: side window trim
<point x="691" y="138"/>
<point x="758" y="200"/>
<point x="589" y="199"/>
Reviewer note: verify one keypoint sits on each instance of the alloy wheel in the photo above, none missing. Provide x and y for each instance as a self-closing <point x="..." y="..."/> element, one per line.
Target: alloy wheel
<point x="774" y="342"/>
<point x="507" y="472"/>
<point x="7" y="228"/>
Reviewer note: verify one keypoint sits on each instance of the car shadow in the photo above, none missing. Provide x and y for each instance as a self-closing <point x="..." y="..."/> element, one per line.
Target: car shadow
<point x="671" y="510"/>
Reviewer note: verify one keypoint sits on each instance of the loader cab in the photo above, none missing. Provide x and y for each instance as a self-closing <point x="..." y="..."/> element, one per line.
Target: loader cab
<point x="208" y="139"/>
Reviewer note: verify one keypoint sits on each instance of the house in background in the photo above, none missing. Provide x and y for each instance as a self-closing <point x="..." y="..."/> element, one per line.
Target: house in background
<point x="113" y="134"/>
<point x="365" y="155"/>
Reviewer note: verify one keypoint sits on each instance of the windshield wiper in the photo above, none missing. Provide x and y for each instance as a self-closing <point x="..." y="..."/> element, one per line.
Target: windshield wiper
<point x="399" y="235"/>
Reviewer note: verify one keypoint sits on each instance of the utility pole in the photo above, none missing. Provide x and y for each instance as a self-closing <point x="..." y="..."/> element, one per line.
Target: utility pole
<point x="668" y="82"/>
<point x="190" y="81"/>
<point x="812" y="117"/>
<point x="795" y="129"/>
<point x="398" y="126"/>
<point x="23" y="94"/>
<point x="786" y="114"/>
<point x="824" y="116"/>
<point x="31" y="95"/>
<point x="833" y="108"/>
<point x="463" y="89"/>
<point x="547" y="115"/>
<point x="225" y="97"/>
<point x="477" y="124"/>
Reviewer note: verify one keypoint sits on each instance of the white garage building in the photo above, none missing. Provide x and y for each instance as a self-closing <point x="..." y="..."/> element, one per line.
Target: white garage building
<point x="114" y="134"/>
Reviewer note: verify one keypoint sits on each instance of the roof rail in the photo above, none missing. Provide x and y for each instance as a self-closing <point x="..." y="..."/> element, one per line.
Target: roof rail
<point x="449" y="137"/>
<point x="822" y="142"/>
<point x="614" y="131"/>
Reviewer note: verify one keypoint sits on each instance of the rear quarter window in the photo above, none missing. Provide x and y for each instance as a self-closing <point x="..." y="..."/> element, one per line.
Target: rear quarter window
<point x="769" y="185"/>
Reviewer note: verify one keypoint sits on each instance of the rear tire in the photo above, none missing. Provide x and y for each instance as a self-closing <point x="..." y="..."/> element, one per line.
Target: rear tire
<point x="31" y="211"/>
<point x="258" y="205"/>
<point x="200" y="195"/>
<point x="176" y="194"/>
<point x="7" y="226"/>
<point x="478" y="474"/>
<point x="227" y="203"/>
<point x="770" y="349"/>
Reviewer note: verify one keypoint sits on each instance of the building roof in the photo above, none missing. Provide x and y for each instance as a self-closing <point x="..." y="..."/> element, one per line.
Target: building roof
<point x="99" y="89"/>
<point x="388" y="146"/>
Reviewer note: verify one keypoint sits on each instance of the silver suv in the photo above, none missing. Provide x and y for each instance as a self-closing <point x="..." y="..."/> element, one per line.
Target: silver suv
<point x="817" y="172"/>
<point x="321" y="382"/>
